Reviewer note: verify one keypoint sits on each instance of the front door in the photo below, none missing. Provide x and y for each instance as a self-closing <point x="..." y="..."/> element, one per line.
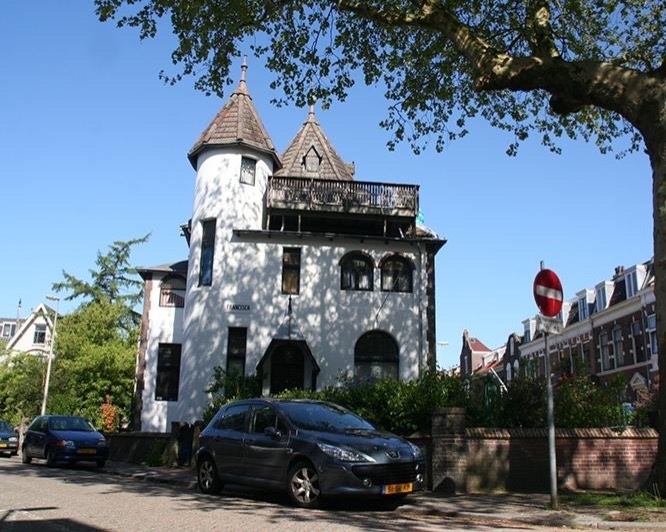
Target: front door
<point x="287" y="369"/>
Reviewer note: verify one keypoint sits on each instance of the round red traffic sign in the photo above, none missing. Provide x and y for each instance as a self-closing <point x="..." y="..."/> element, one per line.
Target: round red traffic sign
<point x="548" y="293"/>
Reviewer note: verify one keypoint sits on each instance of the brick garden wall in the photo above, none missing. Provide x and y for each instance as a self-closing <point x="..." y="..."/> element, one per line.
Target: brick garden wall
<point x="517" y="459"/>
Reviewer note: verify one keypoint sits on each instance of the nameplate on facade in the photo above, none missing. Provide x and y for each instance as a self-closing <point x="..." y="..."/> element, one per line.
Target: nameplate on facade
<point x="237" y="307"/>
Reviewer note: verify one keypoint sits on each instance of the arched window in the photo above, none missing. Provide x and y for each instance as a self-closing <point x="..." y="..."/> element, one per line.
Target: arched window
<point x="376" y="356"/>
<point x="396" y="274"/>
<point x="356" y="272"/>
<point x="172" y="291"/>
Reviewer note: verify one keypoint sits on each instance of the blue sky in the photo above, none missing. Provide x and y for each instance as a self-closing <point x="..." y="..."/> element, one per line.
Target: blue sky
<point x="93" y="149"/>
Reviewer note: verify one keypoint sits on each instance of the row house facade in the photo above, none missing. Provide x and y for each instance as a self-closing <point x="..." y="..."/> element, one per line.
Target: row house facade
<point x="609" y="329"/>
<point x="297" y="273"/>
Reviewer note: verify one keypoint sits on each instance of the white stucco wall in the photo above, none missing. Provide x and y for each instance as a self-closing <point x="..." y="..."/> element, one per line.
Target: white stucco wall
<point x="247" y="272"/>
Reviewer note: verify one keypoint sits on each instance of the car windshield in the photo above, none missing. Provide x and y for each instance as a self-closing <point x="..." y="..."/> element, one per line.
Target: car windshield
<point x="70" y="423"/>
<point x="5" y="427"/>
<point x="323" y="417"/>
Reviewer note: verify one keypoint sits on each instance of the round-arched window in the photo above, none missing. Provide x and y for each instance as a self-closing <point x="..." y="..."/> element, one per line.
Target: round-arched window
<point x="356" y="272"/>
<point x="396" y="274"/>
<point x="376" y="356"/>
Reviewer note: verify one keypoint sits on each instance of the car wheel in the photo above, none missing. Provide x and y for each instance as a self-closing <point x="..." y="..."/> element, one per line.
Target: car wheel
<point x="50" y="457"/>
<point x="303" y="485"/>
<point x="207" y="477"/>
<point x="24" y="457"/>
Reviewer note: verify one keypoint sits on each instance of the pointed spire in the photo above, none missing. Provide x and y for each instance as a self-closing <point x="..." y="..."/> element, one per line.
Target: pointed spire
<point x="311" y="154"/>
<point x="237" y="123"/>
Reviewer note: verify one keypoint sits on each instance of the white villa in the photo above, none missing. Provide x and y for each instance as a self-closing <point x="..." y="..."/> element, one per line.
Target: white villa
<point x="296" y="272"/>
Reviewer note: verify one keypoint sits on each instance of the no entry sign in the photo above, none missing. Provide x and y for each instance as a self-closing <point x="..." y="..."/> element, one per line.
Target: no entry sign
<point x="548" y="293"/>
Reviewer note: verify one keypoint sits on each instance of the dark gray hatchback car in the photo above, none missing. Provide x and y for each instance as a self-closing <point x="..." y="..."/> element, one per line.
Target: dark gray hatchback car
<point x="311" y="449"/>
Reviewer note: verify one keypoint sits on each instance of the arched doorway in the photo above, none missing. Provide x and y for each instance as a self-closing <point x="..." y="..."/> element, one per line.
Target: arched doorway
<point x="287" y="368"/>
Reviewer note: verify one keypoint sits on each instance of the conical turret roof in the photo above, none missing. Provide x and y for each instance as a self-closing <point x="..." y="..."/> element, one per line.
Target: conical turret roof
<point x="311" y="155"/>
<point x="237" y="123"/>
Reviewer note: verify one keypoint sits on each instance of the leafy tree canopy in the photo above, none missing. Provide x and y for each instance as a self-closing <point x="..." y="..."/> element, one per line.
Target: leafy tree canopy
<point x="114" y="281"/>
<point x="441" y="62"/>
<point x="94" y="358"/>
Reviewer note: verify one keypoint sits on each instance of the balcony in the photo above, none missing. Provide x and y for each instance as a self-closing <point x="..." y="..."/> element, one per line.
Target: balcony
<point x="343" y="197"/>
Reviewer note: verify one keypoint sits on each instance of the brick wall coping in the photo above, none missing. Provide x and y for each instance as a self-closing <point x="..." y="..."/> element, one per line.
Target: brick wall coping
<point x="608" y="433"/>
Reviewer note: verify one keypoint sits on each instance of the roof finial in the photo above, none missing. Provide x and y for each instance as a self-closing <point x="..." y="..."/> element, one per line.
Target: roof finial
<point x="243" y="68"/>
<point x="311" y="102"/>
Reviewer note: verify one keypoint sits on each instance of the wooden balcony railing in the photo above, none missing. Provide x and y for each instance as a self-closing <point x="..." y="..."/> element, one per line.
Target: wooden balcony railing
<point x="359" y="197"/>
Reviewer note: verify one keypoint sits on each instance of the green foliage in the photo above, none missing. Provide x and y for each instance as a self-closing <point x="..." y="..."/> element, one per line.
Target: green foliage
<point x="635" y="499"/>
<point x="397" y="406"/>
<point x="114" y="281"/>
<point x="226" y="387"/>
<point x="414" y="50"/>
<point x="94" y="357"/>
<point x="21" y="387"/>
<point x="581" y="403"/>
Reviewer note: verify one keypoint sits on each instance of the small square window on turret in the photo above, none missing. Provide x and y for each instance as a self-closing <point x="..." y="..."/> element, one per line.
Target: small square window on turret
<point x="248" y="170"/>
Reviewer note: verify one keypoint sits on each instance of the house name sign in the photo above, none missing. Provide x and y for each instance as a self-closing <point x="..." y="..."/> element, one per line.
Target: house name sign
<point x="237" y="307"/>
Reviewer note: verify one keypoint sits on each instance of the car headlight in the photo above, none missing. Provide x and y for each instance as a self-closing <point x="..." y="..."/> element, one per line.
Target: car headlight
<point x="345" y="455"/>
<point x="418" y="453"/>
<point x="13" y="439"/>
<point x="101" y="443"/>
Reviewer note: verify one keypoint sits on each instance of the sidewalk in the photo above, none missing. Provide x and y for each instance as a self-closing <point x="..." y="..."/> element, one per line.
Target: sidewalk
<point x="517" y="508"/>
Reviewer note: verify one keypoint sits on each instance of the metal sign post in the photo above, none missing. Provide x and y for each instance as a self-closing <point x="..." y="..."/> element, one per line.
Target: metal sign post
<point x="548" y="296"/>
<point x="550" y="415"/>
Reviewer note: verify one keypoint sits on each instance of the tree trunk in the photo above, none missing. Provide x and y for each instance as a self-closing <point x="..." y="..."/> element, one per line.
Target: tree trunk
<point x="657" y="151"/>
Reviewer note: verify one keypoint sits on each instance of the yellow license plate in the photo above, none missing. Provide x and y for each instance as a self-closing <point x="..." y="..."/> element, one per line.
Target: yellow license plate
<point x="393" y="489"/>
<point x="3" y="445"/>
<point x="86" y="451"/>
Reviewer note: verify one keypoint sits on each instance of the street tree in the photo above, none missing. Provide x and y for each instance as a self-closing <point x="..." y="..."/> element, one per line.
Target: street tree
<point x="113" y="281"/>
<point x="590" y="69"/>
<point x="95" y="358"/>
<point x="96" y="344"/>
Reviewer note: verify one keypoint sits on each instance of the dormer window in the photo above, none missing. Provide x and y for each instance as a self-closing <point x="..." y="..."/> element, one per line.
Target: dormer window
<point x="312" y="161"/>
<point x="582" y="308"/>
<point x="603" y="293"/>
<point x="248" y="170"/>
<point x="631" y="283"/>
<point x="601" y="299"/>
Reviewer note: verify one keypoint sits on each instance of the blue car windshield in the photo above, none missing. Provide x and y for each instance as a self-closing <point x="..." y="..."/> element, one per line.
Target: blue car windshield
<point x="5" y="427"/>
<point x="323" y="417"/>
<point x="70" y="423"/>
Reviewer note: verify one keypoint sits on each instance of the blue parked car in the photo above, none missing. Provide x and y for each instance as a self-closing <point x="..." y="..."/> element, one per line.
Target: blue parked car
<point x="66" y="439"/>
<point x="8" y="439"/>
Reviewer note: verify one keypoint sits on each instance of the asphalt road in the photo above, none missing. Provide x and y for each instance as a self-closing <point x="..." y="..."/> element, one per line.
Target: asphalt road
<point x="80" y="498"/>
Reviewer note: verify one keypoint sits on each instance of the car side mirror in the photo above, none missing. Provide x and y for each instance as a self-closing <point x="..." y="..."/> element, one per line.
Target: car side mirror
<point x="273" y="433"/>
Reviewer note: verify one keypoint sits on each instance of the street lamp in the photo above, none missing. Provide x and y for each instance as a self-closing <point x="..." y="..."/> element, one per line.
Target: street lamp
<point x="49" y="360"/>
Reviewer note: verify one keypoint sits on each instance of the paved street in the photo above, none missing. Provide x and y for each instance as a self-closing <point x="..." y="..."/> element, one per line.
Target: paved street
<point x="133" y="498"/>
<point x="80" y="498"/>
